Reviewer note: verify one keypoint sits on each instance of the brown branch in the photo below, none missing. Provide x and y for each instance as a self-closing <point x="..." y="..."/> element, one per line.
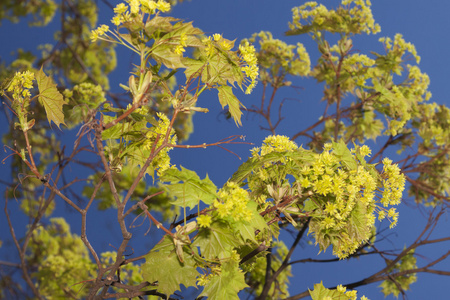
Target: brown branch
<point x="23" y="264"/>
<point x="270" y="279"/>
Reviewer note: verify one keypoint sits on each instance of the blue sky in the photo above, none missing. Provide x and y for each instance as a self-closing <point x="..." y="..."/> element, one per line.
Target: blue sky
<point x="423" y="23"/>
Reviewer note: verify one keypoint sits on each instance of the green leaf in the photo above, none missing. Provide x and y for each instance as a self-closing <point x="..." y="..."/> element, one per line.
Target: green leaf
<point x="216" y="241"/>
<point x="159" y="24"/>
<point x="254" y="163"/>
<point x="180" y="28"/>
<point x="247" y="229"/>
<point x="173" y="273"/>
<point x="187" y="186"/>
<point x="226" y="97"/>
<point x="320" y="292"/>
<point x="50" y="98"/>
<point x="163" y="55"/>
<point x="343" y="153"/>
<point x="309" y="205"/>
<point x="357" y="229"/>
<point x="193" y="66"/>
<point x="227" y="284"/>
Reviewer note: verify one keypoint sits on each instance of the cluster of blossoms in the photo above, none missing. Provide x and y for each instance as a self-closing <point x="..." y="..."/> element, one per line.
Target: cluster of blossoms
<point x="146" y="6"/>
<point x="250" y="64"/>
<point x="224" y="43"/>
<point x="274" y="143"/>
<point x="86" y="92"/>
<point x="293" y="59"/>
<point x="211" y="42"/>
<point x="340" y="191"/>
<point x="204" y="221"/>
<point x="179" y="49"/>
<point x="393" y="185"/>
<point x="419" y="82"/>
<point x="125" y="13"/>
<point x="355" y="19"/>
<point x="204" y="279"/>
<point x="21" y="84"/>
<point x="348" y="195"/>
<point x="350" y="294"/>
<point x="100" y="31"/>
<point x="399" y="46"/>
<point x="232" y="203"/>
<point x="357" y="64"/>
<point x="155" y="138"/>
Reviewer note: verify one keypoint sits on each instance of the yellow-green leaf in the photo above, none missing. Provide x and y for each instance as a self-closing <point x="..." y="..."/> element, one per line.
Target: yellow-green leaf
<point x="50" y="98"/>
<point x="226" y="97"/>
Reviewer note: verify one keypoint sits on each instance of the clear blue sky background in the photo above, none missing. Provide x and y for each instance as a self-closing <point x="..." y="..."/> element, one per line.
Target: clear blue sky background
<point x="424" y="23"/>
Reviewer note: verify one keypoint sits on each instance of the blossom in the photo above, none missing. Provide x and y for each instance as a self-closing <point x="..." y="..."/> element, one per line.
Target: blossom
<point x="21" y="84"/>
<point x="157" y="135"/>
<point x="204" y="221"/>
<point x="101" y="30"/>
<point x="232" y="203"/>
<point x="250" y="64"/>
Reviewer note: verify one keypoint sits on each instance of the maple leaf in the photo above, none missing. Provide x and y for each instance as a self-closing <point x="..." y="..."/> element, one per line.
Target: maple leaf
<point x="227" y="284"/>
<point x="189" y="189"/>
<point x="226" y="97"/>
<point x="216" y="241"/>
<point x="173" y="273"/>
<point x="247" y="229"/>
<point x="50" y="98"/>
<point x="320" y="292"/>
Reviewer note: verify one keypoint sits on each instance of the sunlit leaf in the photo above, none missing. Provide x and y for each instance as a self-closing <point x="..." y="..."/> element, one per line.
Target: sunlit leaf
<point x="50" y="98"/>
<point x="227" y="284"/>
<point x="188" y="188"/>
<point x="226" y="97"/>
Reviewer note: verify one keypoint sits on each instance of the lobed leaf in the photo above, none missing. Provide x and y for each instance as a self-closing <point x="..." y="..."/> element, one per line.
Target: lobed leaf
<point x="50" y="98"/>
<point x="187" y="186"/>
<point x="227" y="284"/>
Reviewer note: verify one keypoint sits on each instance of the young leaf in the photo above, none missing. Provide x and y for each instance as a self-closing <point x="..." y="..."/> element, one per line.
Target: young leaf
<point x="187" y="186"/>
<point x="227" y="284"/>
<point x="173" y="273"/>
<point x="343" y="153"/>
<point x="247" y="229"/>
<point x="163" y="55"/>
<point x="226" y="97"/>
<point x="320" y="292"/>
<point x="216" y="241"/>
<point x="50" y="98"/>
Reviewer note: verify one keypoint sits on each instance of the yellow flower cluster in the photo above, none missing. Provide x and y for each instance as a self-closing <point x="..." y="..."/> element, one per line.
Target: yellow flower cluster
<point x="232" y="202"/>
<point x="393" y="186"/>
<point x="357" y="64"/>
<point x="97" y="33"/>
<point x="21" y="85"/>
<point x="158" y="134"/>
<point x="419" y="82"/>
<point x="362" y="12"/>
<point x="302" y="65"/>
<point x="349" y="195"/>
<point x="274" y="143"/>
<point x="179" y="49"/>
<point x="216" y="40"/>
<point x="399" y="46"/>
<point x="204" y="221"/>
<point x="347" y="18"/>
<point x="250" y="64"/>
<point x="293" y="59"/>
<point x="124" y="13"/>
<point x="350" y="294"/>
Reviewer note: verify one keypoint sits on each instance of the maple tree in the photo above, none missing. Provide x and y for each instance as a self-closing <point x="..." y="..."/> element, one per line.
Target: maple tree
<point x="226" y="242"/>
